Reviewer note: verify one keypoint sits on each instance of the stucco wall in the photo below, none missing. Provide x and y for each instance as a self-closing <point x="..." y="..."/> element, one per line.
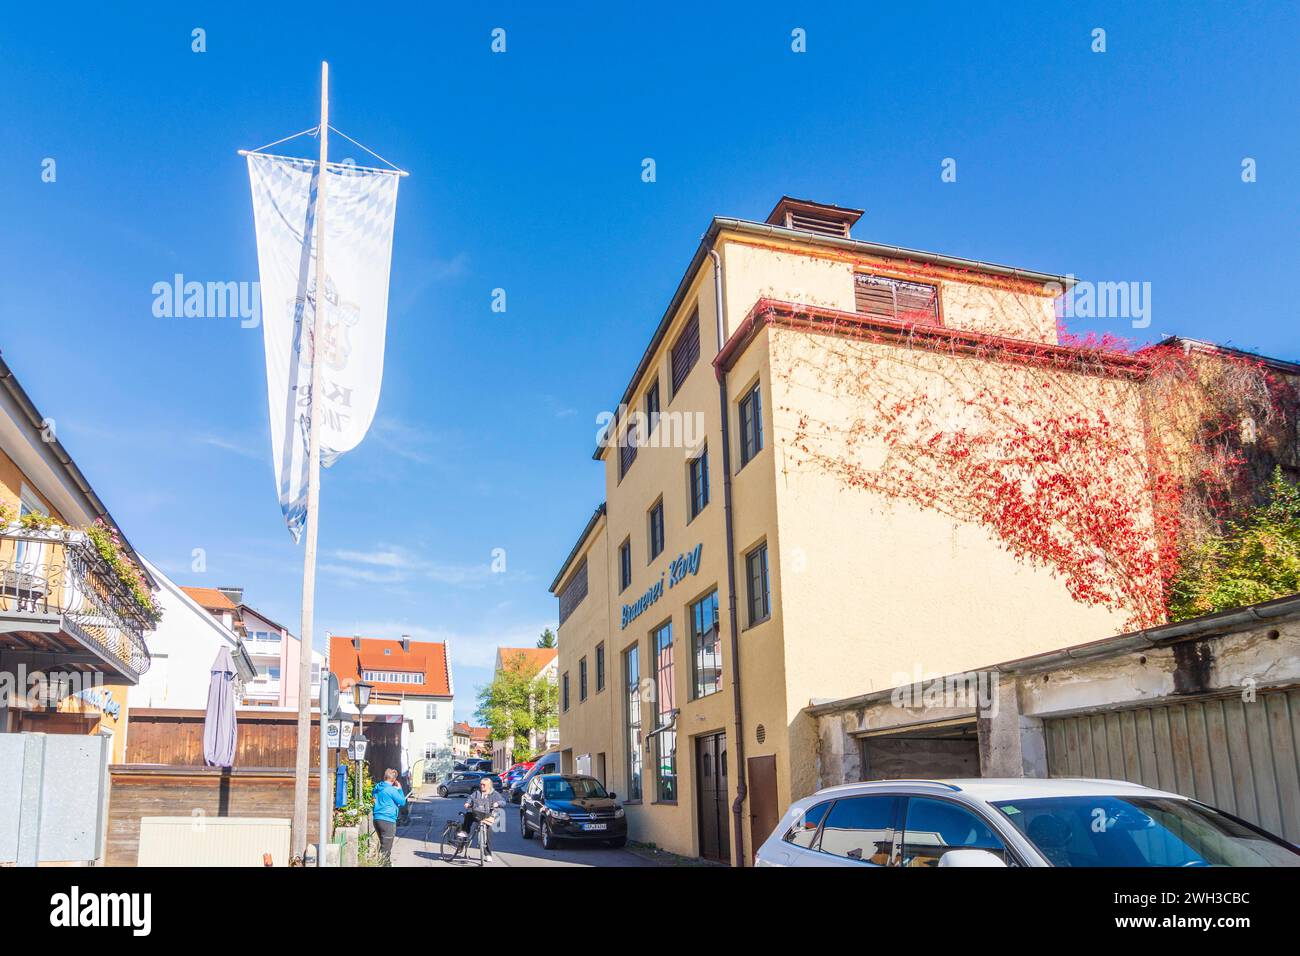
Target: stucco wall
<point x="888" y="590"/>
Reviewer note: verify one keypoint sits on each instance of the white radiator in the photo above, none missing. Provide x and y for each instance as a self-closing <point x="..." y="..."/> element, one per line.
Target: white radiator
<point x="213" y="841"/>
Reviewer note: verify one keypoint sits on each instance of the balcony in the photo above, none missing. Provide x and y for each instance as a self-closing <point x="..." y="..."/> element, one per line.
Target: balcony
<point x="61" y="603"/>
<point x="259" y="648"/>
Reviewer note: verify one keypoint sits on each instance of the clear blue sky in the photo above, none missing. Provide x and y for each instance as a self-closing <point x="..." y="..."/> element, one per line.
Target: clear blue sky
<point x="526" y="176"/>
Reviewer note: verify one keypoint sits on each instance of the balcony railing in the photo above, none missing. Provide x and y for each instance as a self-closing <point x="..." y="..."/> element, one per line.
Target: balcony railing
<point x="60" y="572"/>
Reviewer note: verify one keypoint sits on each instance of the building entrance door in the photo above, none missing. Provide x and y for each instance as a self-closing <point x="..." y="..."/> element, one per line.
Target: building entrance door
<point x="711" y="796"/>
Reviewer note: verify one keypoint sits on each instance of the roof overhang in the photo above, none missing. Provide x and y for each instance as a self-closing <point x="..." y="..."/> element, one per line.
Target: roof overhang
<point x="746" y="227"/>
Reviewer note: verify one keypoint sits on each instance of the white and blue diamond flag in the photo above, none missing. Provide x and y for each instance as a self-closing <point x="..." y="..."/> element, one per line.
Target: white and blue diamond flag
<point x="359" y="208"/>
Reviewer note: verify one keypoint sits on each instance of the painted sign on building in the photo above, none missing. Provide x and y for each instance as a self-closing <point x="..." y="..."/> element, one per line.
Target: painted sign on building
<point x="686" y="563"/>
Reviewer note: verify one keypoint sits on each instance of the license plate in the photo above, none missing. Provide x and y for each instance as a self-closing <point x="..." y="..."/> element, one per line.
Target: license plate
<point x="593" y="826"/>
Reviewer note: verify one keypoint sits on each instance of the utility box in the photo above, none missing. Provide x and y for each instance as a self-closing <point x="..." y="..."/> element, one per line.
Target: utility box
<point x="53" y="798"/>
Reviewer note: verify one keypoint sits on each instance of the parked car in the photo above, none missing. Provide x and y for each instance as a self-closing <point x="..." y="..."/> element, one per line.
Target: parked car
<point x="571" y="807"/>
<point x="465" y="782"/>
<point x="515" y="774"/>
<point x="481" y="764"/>
<point x="545" y="763"/>
<point x="1014" y="822"/>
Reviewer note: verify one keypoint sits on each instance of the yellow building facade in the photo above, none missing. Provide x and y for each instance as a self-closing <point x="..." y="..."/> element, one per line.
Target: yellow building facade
<point x="713" y="547"/>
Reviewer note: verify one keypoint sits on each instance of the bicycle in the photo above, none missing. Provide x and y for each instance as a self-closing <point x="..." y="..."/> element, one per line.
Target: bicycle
<point x="461" y="843"/>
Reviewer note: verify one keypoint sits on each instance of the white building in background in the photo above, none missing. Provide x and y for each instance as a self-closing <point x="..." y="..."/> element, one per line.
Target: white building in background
<point x="415" y="676"/>
<point x="183" y="647"/>
<point x="274" y="650"/>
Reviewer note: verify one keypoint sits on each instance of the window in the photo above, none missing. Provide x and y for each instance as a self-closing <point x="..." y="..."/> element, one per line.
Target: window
<point x="652" y="406"/>
<point x="656" y="523"/>
<point x="430" y="751"/>
<point x="936" y="826"/>
<point x="393" y="677"/>
<point x="756" y="584"/>
<point x="686" y="351"/>
<point x="804" y="830"/>
<point x="896" y="299"/>
<point x="627" y="450"/>
<point x="751" y="424"/>
<point x="632" y="690"/>
<point x="582" y="680"/>
<point x="698" y="480"/>
<point x="573" y="592"/>
<point x="665" y="739"/>
<point x="600" y="667"/>
<point x="706" y="649"/>
<point x="564" y="692"/>
<point x="625" y="564"/>
<point x="430" y="711"/>
<point x="861" y="828"/>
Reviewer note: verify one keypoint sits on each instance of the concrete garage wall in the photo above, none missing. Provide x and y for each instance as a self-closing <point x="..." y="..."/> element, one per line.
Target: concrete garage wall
<point x="1208" y="708"/>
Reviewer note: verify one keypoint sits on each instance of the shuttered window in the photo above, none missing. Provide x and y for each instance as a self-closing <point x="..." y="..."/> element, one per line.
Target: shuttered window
<point x="625" y="564"/>
<point x="896" y="299"/>
<point x="686" y="351"/>
<point x="751" y="425"/>
<point x="656" y="521"/>
<point x="573" y="592"/>
<point x="627" y="451"/>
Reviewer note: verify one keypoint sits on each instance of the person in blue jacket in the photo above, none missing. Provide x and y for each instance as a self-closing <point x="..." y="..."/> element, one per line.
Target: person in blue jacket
<point x="389" y="800"/>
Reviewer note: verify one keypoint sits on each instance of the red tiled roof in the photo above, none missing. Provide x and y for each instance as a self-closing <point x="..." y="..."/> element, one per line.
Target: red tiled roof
<point x="210" y="599"/>
<point x="461" y="728"/>
<point x="535" y="658"/>
<point x="480" y="733"/>
<point x="426" y="657"/>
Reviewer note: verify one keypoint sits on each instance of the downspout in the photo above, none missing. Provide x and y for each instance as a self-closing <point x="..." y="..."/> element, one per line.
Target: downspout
<point x="738" y="805"/>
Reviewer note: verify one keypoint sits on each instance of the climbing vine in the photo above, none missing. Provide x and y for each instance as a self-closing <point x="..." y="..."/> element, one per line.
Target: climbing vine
<point x="1099" y="462"/>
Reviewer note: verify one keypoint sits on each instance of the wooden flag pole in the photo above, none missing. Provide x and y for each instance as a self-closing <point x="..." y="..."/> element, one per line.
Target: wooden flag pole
<point x="302" y="768"/>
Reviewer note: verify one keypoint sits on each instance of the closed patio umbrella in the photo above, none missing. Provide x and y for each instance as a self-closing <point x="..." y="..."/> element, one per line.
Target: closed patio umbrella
<point x="219" y="721"/>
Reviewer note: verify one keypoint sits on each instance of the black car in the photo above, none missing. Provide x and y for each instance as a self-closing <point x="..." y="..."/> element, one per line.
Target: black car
<point x="563" y="806"/>
<point x="465" y="782"/>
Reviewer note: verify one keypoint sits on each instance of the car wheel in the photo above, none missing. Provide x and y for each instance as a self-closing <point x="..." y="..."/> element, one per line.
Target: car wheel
<point x="618" y="842"/>
<point x="523" y="826"/>
<point x="442" y="791"/>
<point x="548" y="838"/>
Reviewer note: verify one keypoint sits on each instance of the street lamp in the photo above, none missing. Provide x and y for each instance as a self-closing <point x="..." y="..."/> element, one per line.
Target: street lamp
<point x="361" y="694"/>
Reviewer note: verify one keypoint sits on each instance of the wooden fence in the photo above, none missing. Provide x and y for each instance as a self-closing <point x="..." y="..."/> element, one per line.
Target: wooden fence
<point x="198" y="792"/>
<point x="263" y="739"/>
<point x="164" y="774"/>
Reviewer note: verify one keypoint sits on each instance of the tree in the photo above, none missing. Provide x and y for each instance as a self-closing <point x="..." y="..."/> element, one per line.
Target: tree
<point x="518" y="703"/>
<point x="1255" y="559"/>
<point x="547" y="639"/>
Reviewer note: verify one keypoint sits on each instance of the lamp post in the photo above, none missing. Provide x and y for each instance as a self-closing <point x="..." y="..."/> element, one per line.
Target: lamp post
<point x="361" y="693"/>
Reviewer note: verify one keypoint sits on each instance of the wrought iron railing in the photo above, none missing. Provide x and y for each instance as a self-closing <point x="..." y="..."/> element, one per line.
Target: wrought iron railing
<point x="61" y="572"/>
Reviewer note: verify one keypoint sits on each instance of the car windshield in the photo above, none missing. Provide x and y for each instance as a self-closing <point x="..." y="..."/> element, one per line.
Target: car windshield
<point x="574" y="789"/>
<point x="1141" y="831"/>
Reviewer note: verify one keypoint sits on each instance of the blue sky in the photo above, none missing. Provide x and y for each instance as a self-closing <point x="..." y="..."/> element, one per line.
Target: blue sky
<point x="1123" y="165"/>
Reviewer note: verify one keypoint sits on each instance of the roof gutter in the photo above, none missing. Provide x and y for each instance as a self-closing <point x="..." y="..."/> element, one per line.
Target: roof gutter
<point x="1162" y="636"/>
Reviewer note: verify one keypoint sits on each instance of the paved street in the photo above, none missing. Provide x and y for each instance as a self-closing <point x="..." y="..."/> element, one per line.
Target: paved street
<point x="417" y="843"/>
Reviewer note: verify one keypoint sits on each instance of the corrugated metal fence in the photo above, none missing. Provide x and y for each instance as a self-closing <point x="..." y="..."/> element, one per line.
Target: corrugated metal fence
<point x="1239" y="756"/>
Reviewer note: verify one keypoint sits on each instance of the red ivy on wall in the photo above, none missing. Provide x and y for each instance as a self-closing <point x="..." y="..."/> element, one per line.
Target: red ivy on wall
<point x="1096" y="461"/>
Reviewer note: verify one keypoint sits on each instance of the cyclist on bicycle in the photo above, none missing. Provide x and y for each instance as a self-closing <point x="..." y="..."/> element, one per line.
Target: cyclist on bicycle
<point x="483" y="806"/>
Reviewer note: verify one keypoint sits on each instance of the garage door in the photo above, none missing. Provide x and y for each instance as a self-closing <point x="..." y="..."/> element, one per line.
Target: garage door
<point x="1238" y="756"/>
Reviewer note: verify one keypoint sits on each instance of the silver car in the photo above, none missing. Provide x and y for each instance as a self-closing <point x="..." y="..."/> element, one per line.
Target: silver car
<point x="1014" y="822"/>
